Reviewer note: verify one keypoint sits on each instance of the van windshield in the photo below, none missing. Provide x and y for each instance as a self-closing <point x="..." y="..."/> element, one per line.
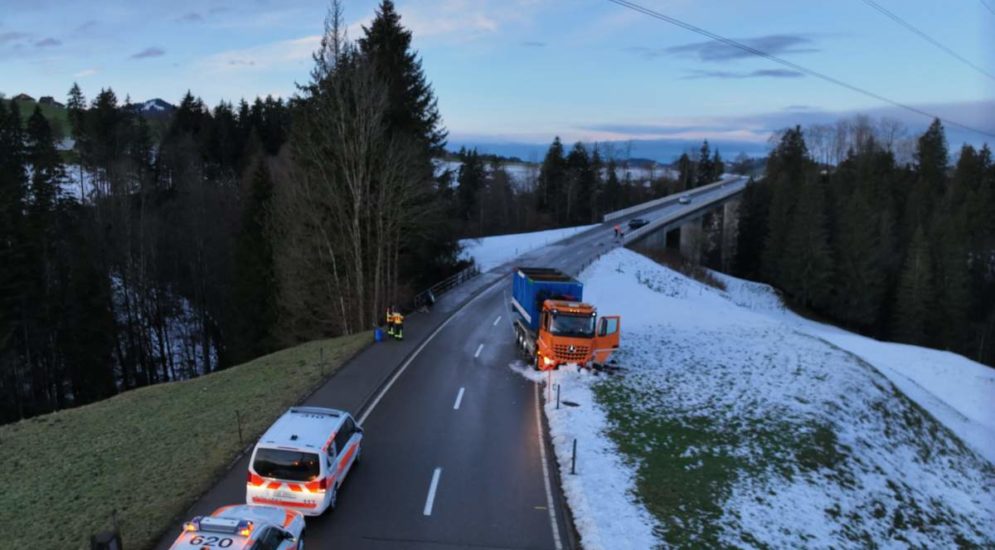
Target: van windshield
<point x="289" y="465"/>
<point x="572" y="325"/>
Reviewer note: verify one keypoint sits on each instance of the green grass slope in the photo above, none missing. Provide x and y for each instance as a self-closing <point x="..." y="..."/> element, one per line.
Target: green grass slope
<point x="146" y="453"/>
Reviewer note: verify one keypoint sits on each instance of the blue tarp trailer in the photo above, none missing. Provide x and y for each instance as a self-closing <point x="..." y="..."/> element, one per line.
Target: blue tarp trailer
<point x="534" y="285"/>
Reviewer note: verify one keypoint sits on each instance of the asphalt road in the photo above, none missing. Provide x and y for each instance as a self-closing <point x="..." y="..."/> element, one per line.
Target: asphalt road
<point x="453" y="412"/>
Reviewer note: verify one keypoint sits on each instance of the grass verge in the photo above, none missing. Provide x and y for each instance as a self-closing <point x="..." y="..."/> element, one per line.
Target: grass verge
<point x="147" y="453"/>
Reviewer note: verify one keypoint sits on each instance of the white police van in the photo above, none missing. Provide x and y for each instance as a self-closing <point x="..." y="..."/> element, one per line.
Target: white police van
<point x="303" y="458"/>
<point x="244" y="527"/>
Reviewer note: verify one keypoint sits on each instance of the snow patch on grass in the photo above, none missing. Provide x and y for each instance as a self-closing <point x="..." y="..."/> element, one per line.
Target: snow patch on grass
<point x="742" y="428"/>
<point x="601" y="493"/>
<point x="490" y="252"/>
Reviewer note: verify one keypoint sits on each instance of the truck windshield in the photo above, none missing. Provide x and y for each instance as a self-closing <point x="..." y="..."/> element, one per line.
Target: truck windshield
<point x="572" y="325"/>
<point x="289" y="465"/>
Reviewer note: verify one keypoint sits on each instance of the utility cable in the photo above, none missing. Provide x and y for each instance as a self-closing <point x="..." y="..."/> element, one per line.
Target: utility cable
<point x="749" y="49"/>
<point x="891" y="15"/>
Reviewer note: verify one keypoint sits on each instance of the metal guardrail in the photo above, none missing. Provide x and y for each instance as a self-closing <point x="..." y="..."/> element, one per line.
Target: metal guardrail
<point x="430" y="295"/>
<point x="664" y="200"/>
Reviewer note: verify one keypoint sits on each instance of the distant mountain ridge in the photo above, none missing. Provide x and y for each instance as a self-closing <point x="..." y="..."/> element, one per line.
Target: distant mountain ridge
<point x="155" y="108"/>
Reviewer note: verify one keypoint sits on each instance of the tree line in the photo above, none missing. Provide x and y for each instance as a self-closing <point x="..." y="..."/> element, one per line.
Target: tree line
<point x="568" y="188"/>
<point x="892" y="250"/>
<point x="153" y="254"/>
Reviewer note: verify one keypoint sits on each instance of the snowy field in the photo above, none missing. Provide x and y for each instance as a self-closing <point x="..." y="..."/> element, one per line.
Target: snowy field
<point x="490" y="252"/>
<point x="736" y="423"/>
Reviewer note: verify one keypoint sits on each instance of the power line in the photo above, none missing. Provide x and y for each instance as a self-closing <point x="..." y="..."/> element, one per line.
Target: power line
<point x="749" y="49"/>
<point x="989" y="8"/>
<point x="891" y="15"/>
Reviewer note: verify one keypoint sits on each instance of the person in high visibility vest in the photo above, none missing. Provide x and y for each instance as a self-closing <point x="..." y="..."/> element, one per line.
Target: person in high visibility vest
<point x="390" y="322"/>
<point x="398" y="325"/>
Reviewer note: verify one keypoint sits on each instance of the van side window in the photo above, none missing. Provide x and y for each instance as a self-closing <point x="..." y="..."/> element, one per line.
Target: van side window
<point x="342" y="437"/>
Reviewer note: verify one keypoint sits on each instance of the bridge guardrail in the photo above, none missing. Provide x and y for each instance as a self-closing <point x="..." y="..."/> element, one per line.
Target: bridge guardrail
<point x="664" y="200"/>
<point x="428" y="296"/>
<point x="638" y="233"/>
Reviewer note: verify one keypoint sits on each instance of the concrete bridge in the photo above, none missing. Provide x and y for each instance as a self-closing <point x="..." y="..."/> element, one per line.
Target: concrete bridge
<point x="702" y="230"/>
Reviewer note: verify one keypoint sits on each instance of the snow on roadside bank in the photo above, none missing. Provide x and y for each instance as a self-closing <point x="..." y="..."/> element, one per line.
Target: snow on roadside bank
<point x="490" y="252"/>
<point x="601" y="494"/>
<point x="736" y="428"/>
<point x="959" y="392"/>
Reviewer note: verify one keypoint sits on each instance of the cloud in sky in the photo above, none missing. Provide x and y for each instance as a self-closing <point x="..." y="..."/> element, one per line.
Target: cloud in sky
<point x="190" y="17"/>
<point x="266" y="56"/>
<point x="757" y="127"/>
<point x="149" y="52"/>
<point x="85" y="73"/>
<point x="48" y="42"/>
<point x="717" y="52"/>
<point x="12" y="36"/>
<point x="760" y="73"/>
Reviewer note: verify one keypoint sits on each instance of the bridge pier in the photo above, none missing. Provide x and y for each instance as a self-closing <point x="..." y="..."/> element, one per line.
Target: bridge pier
<point x="708" y="238"/>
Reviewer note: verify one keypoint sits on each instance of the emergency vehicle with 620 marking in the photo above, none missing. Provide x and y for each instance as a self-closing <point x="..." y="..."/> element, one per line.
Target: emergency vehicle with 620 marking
<point x="244" y="527"/>
<point x="303" y="458"/>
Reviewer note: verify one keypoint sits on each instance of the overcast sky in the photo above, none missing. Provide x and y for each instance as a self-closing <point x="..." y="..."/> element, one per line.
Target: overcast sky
<point x="524" y="70"/>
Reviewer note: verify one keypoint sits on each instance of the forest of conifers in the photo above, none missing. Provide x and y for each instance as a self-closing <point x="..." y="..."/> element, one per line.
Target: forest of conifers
<point x="898" y="251"/>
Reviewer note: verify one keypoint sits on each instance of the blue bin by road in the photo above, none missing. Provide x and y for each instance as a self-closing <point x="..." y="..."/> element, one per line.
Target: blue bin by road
<point x="378" y="334"/>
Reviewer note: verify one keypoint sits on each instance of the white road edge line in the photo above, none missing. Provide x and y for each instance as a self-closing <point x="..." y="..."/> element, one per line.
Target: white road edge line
<point x="496" y="321"/>
<point x="545" y="475"/>
<point x="404" y="367"/>
<point x="430" y="500"/>
<point x="479" y="349"/>
<point x="459" y="399"/>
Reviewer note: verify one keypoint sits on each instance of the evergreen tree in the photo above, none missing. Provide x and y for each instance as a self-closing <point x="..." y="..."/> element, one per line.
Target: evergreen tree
<point x="255" y="291"/>
<point x="13" y="273"/>
<point x="46" y="166"/>
<point x="807" y="264"/>
<point x="471" y="181"/>
<point x="413" y="109"/>
<point x="931" y="167"/>
<point x="706" y="167"/>
<point x="859" y="274"/>
<point x="915" y="293"/>
<point x="686" y="168"/>
<point x="551" y="184"/>
<point x="786" y="171"/>
<point x="752" y="229"/>
<point x="718" y="166"/>
<point x="596" y="198"/>
<point x="580" y="186"/>
<point x="613" y="198"/>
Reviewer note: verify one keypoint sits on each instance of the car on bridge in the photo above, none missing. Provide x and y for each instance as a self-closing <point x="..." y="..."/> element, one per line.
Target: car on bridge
<point x="684" y="199"/>
<point x="244" y="527"/>
<point x="637" y="223"/>
<point x="303" y="458"/>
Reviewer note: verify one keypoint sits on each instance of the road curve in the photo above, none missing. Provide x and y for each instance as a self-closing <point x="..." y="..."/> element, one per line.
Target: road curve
<point x="453" y="452"/>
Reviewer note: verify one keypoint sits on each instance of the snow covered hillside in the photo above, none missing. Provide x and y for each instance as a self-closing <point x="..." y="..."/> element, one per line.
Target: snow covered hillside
<point x="735" y="423"/>
<point x="490" y="252"/>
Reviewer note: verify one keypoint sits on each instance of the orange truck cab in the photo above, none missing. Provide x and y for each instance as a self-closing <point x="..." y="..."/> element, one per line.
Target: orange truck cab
<point x="554" y="326"/>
